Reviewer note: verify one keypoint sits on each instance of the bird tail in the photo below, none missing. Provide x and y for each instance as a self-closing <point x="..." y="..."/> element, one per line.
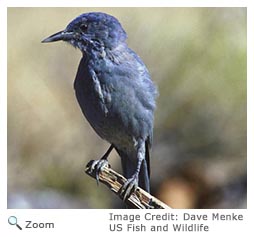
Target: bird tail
<point x="129" y="166"/>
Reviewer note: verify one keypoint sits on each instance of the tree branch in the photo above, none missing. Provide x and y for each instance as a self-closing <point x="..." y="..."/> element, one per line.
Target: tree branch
<point x="139" y="199"/>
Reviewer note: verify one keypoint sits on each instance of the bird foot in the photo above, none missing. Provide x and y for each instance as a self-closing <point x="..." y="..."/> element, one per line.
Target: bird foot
<point x="129" y="187"/>
<point x="97" y="166"/>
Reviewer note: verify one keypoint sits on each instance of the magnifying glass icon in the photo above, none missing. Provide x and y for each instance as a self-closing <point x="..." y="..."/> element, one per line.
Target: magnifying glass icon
<point x="12" y="220"/>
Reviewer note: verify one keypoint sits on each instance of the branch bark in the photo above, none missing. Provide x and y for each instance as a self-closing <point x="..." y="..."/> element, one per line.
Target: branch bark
<point x="139" y="199"/>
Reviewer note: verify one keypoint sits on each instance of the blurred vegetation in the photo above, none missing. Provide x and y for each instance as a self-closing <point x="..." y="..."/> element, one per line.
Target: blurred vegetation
<point x="196" y="56"/>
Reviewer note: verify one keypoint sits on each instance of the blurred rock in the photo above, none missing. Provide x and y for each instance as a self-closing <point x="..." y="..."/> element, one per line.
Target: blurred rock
<point x="45" y="199"/>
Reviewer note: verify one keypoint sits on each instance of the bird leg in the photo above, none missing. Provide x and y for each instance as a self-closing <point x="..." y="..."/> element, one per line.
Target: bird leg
<point x="97" y="165"/>
<point x="131" y="184"/>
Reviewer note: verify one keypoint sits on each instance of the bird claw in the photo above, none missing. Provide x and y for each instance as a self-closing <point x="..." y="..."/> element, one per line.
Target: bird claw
<point x="129" y="187"/>
<point x="97" y="166"/>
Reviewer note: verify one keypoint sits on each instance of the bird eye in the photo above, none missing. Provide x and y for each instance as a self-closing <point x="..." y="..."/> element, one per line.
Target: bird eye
<point x="84" y="27"/>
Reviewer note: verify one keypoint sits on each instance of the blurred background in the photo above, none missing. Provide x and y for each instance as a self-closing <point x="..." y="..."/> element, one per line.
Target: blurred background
<point x="196" y="56"/>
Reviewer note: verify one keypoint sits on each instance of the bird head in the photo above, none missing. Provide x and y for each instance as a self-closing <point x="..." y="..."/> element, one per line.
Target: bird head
<point x="94" y="29"/>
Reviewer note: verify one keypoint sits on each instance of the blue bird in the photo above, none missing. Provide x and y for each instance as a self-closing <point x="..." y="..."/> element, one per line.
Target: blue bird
<point x="115" y="92"/>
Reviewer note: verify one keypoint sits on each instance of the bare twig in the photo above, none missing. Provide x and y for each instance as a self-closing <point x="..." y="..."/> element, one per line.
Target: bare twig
<point x="140" y="199"/>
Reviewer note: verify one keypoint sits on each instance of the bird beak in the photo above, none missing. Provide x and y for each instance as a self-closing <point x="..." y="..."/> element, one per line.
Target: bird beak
<point x="62" y="35"/>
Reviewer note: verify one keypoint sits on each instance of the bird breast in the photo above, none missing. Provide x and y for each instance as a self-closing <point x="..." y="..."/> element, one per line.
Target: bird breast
<point x="111" y="100"/>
